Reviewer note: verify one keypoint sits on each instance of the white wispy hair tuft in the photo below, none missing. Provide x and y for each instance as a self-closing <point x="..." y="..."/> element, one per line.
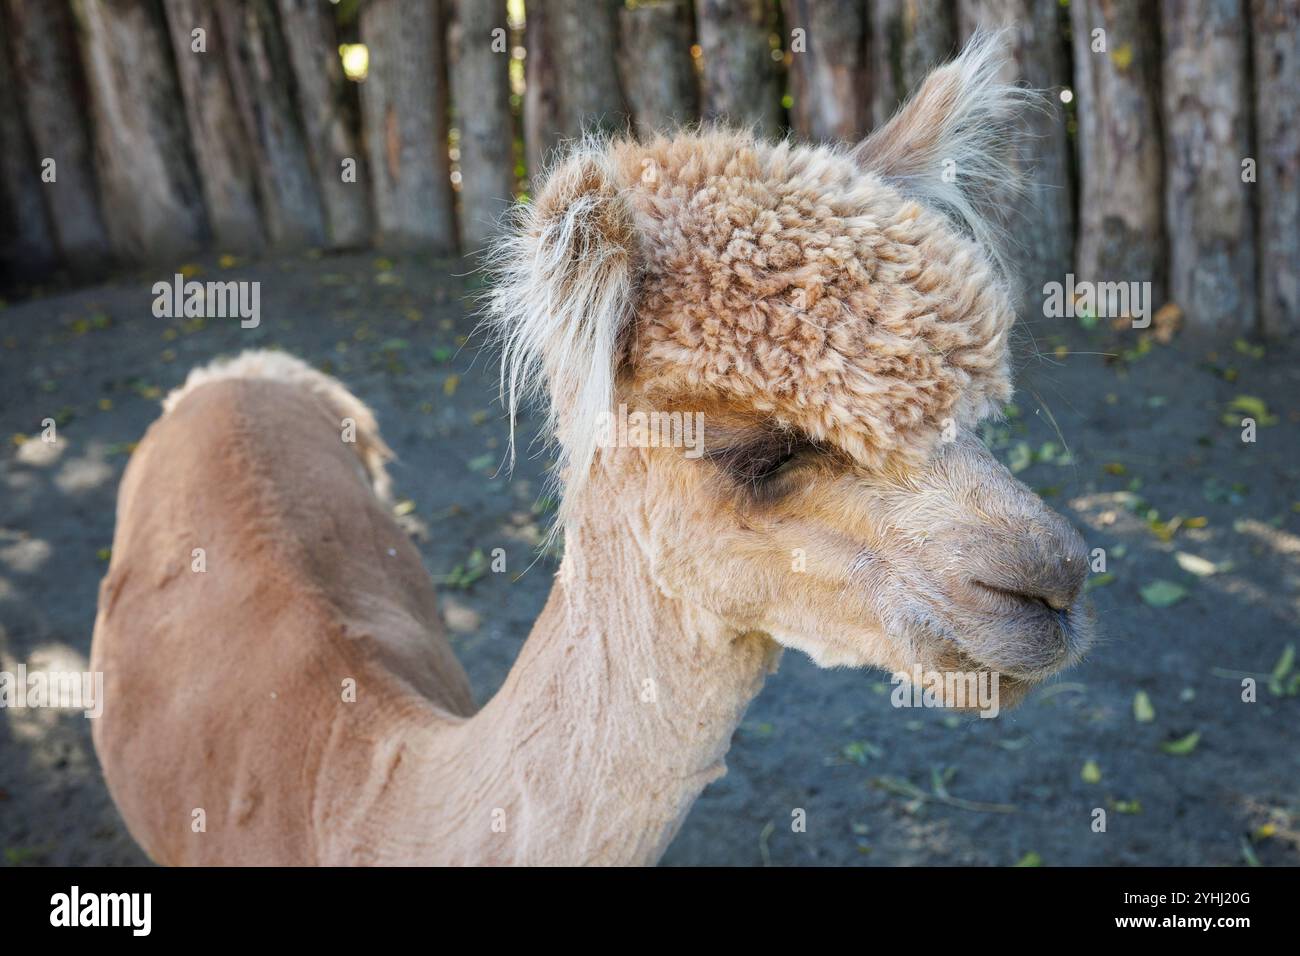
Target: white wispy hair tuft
<point x="950" y="145"/>
<point x="563" y="280"/>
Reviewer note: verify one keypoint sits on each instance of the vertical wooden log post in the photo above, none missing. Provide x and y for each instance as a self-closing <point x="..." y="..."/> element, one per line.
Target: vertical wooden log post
<point x="404" y="111"/>
<point x="1121" y="169"/>
<point x="829" y="77"/>
<point x="1208" y="207"/>
<point x="909" y="38"/>
<point x="220" y="147"/>
<point x="542" y="121"/>
<point x="585" y="34"/>
<point x="332" y="144"/>
<point x="151" y="199"/>
<point x="26" y="240"/>
<point x="47" y="64"/>
<point x="1276" y="36"/>
<point x="740" y="76"/>
<point x="658" y="73"/>
<point x="573" y="84"/>
<point x="262" y="80"/>
<point x="1041" y="220"/>
<point x="480" y="81"/>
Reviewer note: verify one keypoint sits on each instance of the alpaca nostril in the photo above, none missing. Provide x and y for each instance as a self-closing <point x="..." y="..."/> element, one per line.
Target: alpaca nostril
<point x="1032" y="596"/>
<point x="1062" y="593"/>
<point x="1063" y="566"/>
<point x="1075" y="565"/>
<point x="1044" y="576"/>
<point x="1061" y="587"/>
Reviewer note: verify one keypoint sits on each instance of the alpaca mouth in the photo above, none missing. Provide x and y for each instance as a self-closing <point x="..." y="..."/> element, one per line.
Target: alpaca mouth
<point x="1039" y="635"/>
<point x="1025" y="638"/>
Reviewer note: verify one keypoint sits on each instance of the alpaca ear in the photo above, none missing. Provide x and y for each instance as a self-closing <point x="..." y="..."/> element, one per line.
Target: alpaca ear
<point x="565" y="280"/>
<point x="951" y="144"/>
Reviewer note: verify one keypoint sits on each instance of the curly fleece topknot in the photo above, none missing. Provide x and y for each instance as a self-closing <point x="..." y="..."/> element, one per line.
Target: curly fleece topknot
<point x="852" y="294"/>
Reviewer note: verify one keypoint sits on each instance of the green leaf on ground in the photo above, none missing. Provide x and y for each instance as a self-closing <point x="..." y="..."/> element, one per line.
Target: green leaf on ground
<point x="465" y="574"/>
<point x="1020" y="457"/>
<point x="860" y="751"/>
<point x="1280" y="670"/>
<point x="1183" y="745"/>
<point x="1248" y="405"/>
<point x="1248" y="853"/>
<point x="1143" y="712"/>
<point x="1098" y="581"/>
<point x="1090" y="773"/>
<point x="1161" y="593"/>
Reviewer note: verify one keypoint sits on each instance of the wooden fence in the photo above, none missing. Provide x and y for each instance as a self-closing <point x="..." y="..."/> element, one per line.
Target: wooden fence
<point x="143" y="130"/>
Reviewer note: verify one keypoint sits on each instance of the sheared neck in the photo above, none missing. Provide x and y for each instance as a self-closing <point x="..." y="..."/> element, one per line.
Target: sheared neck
<point x="616" y="715"/>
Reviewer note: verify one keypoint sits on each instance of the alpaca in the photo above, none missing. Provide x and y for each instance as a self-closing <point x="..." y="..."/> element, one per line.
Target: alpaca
<point x="839" y="318"/>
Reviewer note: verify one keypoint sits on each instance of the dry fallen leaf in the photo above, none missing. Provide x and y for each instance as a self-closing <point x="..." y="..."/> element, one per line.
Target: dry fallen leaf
<point x="1166" y="322"/>
<point x="460" y="618"/>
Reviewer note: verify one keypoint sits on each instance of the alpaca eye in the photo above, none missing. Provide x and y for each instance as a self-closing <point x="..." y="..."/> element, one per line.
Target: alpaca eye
<point x="759" y="463"/>
<point x="762" y="468"/>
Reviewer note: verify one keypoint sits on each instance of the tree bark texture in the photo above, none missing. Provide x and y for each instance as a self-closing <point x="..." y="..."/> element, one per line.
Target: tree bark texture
<point x="480" y="76"/>
<point x="830" y="82"/>
<point x="1120" y="150"/>
<point x="658" y="73"/>
<point x="152" y="201"/>
<point x="1208" y="208"/>
<point x="1276" y="37"/>
<point x="47" y="66"/>
<point x="740" y="75"/>
<point x="404" y="112"/>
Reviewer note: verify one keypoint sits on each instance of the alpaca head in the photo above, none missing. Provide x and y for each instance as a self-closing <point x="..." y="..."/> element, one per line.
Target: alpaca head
<point x="837" y="322"/>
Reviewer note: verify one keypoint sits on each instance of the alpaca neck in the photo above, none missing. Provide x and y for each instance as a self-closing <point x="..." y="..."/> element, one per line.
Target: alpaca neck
<point x="615" y="717"/>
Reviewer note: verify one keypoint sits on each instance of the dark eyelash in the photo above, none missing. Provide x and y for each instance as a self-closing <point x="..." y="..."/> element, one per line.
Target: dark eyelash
<point x="764" y="467"/>
<point x="754" y="464"/>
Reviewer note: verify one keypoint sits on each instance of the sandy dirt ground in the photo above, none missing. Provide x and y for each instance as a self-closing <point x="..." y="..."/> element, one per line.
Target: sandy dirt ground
<point x="1138" y="442"/>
